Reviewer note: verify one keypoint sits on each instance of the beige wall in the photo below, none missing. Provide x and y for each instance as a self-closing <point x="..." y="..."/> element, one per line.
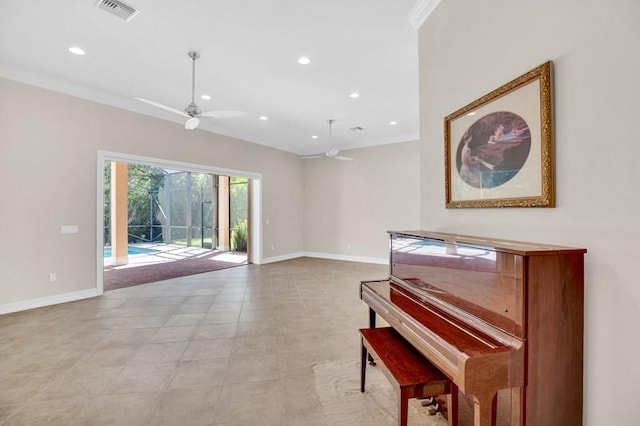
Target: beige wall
<point x="468" y="48"/>
<point x="349" y="205"/>
<point x="48" y="155"/>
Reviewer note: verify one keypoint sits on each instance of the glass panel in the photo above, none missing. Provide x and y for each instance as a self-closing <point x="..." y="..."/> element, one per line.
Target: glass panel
<point x="179" y="235"/>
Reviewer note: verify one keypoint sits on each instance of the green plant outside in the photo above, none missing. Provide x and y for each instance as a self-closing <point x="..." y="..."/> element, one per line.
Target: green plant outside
<point x="239" y="237"/>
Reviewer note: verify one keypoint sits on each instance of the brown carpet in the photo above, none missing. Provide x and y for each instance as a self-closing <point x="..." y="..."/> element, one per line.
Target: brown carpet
<point x="119" y="277"/>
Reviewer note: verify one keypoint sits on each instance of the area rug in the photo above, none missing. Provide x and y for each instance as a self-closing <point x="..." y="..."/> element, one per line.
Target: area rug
<point x="342" y="404"/>
<point x="120" y="277"/>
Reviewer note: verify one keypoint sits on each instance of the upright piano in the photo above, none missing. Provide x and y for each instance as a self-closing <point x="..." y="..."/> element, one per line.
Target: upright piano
<point x="503" y="320"/>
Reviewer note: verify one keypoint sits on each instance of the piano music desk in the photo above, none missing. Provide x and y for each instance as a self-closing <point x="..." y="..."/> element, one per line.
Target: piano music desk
<point x="412" y="374"/>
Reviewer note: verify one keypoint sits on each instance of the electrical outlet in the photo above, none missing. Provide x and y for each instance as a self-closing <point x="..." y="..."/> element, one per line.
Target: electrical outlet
<point x="69" y="229"/>
<point x="52" y="277"/>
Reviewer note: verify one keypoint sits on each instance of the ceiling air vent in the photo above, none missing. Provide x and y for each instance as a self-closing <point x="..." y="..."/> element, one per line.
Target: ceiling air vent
<point x="118" y="8"/>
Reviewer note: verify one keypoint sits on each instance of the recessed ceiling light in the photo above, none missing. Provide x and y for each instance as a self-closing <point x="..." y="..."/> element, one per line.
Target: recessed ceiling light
<point x="314" y="137"/>
<point x="76" y="50"/>
<point x="264" y="118"/>
<point x="393" y="123"/>
<point x="303" y="60"/>
<point x="206" y="97"/>
<point x="354" y="95"/>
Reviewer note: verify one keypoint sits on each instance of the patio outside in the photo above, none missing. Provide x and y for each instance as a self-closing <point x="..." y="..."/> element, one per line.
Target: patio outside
<point x="175" y="223"/>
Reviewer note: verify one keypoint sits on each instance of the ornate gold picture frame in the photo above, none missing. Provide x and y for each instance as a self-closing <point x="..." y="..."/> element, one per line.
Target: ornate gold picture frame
<point x="499" y="148"/>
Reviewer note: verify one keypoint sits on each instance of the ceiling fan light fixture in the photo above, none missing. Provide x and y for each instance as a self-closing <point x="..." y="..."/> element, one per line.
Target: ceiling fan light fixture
<point x="332" y="152"/>
<point x="192" y="123"/>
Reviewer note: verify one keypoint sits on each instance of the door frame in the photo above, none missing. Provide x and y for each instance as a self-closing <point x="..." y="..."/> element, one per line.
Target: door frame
<point x="255" y="201"/>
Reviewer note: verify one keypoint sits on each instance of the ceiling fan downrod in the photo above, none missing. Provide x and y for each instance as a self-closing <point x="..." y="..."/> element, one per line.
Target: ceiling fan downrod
<point x="192" y="109"/>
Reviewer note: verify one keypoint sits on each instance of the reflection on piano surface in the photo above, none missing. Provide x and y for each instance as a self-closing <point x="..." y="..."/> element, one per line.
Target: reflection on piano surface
<point x="503" y="320"/>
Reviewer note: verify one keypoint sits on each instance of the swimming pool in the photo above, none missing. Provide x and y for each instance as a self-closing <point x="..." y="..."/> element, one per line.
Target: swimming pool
<point x="130" y="250"/>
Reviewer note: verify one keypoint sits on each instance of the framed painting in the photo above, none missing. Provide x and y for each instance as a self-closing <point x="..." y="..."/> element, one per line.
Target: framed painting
<point x="499" y="148"/>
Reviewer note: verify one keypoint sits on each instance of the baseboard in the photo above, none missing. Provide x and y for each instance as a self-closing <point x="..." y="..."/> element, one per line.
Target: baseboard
<point x="47" y="301"/>
<point x="272" y="259"/>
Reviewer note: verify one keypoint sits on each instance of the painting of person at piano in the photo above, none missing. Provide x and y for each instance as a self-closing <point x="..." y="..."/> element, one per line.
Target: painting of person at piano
<point x="493" y="149"/>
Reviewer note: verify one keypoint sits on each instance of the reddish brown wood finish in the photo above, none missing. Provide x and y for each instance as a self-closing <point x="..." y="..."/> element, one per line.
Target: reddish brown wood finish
<point x="410" y="372"/>
<point x="532" y="292"/>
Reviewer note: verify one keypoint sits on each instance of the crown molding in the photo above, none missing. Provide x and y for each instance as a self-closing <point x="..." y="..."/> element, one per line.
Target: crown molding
<point x="420" y="11"/>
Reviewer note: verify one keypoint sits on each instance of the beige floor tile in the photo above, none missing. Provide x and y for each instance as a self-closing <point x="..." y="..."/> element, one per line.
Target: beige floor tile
<point x="109" y="356"/>
<point x="6" y="411"/>
<point x="20" y="388"/>
<point x="248" y="345"/>
<point x="233" y="347"/>
<point x="215" y="331"/>
<point x="221" y="317"/>
<point x="158" y="353"/>
<point x="79" y="383"/>
<point x="207" y="372"/>
<point x="185" y="319"/>
<point x="52" y="412"/>
<point x="253" y="367"/>
<point x="191" y="407"/>
<point x="174" y="334"/>
<point x="225" y="307"/>
<point x="257" y="328"/>
<point x="141" y="378"/>
<point x="250" y="403"/>
<point x="207" y="349"/>
<point x="127" y="410"/>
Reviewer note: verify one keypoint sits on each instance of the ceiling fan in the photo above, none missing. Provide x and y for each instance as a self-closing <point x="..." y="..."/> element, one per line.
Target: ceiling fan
<point x="332" y="152"/>
<point x="192" y="111"/>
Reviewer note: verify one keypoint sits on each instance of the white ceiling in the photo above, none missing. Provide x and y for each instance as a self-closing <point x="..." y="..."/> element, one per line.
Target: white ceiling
<point x="249" y="51"/>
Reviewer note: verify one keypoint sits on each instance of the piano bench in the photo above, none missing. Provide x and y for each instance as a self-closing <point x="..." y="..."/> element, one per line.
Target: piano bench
<point x="410" y="372"/>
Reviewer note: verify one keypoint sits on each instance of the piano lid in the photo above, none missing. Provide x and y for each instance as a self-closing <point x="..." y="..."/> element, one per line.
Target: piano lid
<point x="496" y="244"/>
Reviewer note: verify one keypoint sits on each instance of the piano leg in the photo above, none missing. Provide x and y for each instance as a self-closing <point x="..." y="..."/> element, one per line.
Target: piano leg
<point x="452" y="405"/>
<point x="403" y="406"/>
<point x="372" y="324"/>
<point x="363" y="366"/>
<point x="484" y="409"/>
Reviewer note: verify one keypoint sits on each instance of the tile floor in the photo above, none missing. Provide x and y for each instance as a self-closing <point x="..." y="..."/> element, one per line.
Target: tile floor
<point x="266" y="345"/>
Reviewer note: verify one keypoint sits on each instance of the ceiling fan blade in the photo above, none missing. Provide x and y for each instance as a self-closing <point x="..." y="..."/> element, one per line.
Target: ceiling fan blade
<point x="223" y="114"/>
<point x="342" y="158"/>
<point x="308" y="157"/>
<point x="164" y="107"/>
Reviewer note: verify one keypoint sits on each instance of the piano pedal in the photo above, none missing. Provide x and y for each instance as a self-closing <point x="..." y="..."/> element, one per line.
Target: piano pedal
<point x="433" y="409"/>
<point x="372" y="362"/>
<point x="430" y="400"/>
